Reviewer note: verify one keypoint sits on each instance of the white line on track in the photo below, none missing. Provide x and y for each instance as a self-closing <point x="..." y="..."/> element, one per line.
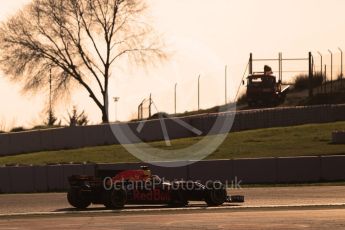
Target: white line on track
<point x="123" y="211"/>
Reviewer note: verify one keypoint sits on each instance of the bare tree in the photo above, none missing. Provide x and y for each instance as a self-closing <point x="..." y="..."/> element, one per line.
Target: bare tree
<point x="81" y="39"/>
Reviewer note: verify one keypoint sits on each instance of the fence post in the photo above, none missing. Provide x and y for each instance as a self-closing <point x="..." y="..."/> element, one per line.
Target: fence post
<point x="251" y="64"/>
<point x="325" y="84"/>
<point x="150" y="104"/>
<point x="341" y="67"/>
<point x="331" y="70"/>
<point x="310" y="75"/>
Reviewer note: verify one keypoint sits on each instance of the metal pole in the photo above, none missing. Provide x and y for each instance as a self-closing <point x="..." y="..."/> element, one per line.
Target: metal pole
<point x="341" y="63"/>
<point x="116" y="100"/>
<point x="115" y="111"/>
<point x="310" y="76"/>
<point x="250" y="64"/>
<point x="150" y="103"/>
<point x="226" y="85"/>
<point x="141" y="110"/>
<point x="175" y="97"/>
<point x="199" y="93"/>
<point x="341" y="67"/>
<point x="50" y="90"/>
<point x="325" y="85"/>
<point x="281" y="67"/>
<point x="321" y="71"/>
<point x="331" y="70"/>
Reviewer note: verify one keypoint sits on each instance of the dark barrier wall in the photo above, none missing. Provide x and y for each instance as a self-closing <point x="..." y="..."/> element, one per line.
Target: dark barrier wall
<point x="338" y="137"/>
<point x="332" y="168"/>
<point x="302" y="169"/>
<point x="256" y="171"/>
<point x="52" y="178"/>
<point x="211" y="170"/>
<point x="70" y="138"/>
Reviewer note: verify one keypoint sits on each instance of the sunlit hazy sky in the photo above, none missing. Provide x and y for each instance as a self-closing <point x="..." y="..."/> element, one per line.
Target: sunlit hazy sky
<point x="205" y="36"/>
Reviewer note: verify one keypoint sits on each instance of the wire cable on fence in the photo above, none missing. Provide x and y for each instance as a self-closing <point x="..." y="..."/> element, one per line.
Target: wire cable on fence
<point x="284" y="59"/>
<point x="291" y="71"/>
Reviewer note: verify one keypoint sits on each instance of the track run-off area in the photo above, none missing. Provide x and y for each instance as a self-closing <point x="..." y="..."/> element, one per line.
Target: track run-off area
<point x="314" y="207"/>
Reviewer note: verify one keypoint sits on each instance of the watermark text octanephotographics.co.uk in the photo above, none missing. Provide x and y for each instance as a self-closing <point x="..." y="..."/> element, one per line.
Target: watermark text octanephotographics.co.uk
<point x="188" y="185"/>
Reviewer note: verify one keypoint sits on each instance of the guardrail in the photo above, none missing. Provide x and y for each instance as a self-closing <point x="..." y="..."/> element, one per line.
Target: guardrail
<point x="52" y="178"/>
<point x="97" y="135"/>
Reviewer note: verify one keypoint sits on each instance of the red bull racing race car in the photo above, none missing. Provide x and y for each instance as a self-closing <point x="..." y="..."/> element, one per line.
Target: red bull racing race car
<point x="141" y="187"/>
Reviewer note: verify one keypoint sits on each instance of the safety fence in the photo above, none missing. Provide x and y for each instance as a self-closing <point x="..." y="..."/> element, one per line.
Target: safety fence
<point x="97" y="135"/>
<point x="52" y="178"/>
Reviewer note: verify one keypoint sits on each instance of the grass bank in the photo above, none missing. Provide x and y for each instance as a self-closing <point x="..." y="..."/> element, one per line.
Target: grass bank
<point x="305" y="140"/>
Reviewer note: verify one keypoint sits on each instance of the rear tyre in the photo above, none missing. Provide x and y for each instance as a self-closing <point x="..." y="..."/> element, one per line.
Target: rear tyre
<point x="216" y="194"/>
<point x="77" y="199"/>
<point x="107" y="200"/>
<point x="118" y="198"/>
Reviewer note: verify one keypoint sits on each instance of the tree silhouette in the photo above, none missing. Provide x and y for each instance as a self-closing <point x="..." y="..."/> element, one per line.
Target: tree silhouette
<point x="77" y="118"/>
<point x="82" y="39"/>
<point x="51" y="120"/>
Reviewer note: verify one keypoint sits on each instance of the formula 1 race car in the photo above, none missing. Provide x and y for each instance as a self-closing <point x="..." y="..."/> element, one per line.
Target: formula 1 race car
<point x="140" y="187"/>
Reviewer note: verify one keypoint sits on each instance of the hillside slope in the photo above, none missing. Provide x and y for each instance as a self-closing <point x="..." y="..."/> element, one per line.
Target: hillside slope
<point x="306" y="140"/>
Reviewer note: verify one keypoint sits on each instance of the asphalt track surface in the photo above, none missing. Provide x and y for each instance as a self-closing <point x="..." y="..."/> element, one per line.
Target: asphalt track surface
<point x="309" y="207"/>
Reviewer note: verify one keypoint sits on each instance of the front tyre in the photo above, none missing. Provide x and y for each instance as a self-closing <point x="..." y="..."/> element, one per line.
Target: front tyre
<point x="77" y="199"/>
<point x="216" y="194"/>
<point x="115" y="199"/>
<point x="178" y="199"/>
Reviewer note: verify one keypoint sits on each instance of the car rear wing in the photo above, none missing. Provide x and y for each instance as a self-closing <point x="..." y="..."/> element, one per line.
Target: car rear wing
<point x="78" y="180"/>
